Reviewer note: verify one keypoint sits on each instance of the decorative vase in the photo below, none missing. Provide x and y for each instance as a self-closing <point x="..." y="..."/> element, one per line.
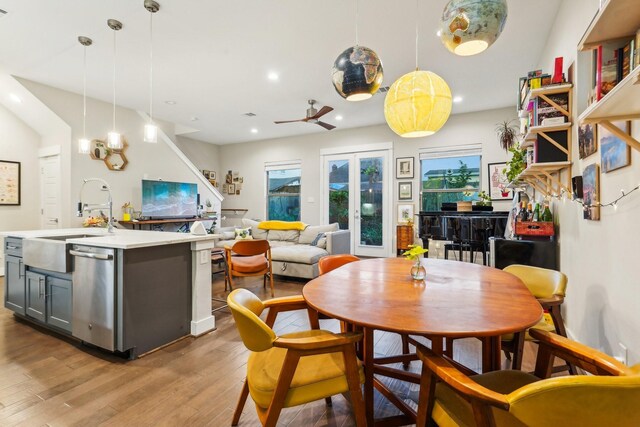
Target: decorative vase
<point x="418" y="272"/>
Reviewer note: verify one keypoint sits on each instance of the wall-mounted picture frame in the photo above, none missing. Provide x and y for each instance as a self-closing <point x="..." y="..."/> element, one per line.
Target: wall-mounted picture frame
<point x="206" y="173"/>
<point x="587" y="140"/>
<point x="405" y="213"/>
<point x="614" y="152"/>
<point x="9" y="183"/>
<point x="231" y="188"/>
<point x="498" y="182"/>
<point x="405" y="190"/>
<point x="212" y="175"/>
<point x="404" y="167"/>
<point x="591" y="192"/>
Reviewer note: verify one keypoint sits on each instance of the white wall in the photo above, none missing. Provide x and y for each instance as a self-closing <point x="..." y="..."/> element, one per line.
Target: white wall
<point x="249" y="158"/>
<point x="150" y="161"/>
<point x="203" y="155"/>
<point x="20" y="143"/>
<point x="602" y="308"/>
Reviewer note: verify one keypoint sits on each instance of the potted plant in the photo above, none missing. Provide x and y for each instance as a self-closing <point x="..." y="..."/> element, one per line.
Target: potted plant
<point x="516" y="164"/>
<point x="507" y="134"/>
<point x="485" y="199"/>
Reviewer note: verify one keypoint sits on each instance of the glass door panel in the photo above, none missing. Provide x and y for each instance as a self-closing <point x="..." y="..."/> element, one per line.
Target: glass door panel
<point x="339" y="195"/>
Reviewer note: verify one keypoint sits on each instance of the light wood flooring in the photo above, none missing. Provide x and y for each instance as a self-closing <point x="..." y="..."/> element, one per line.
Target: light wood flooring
<point x="48" y="380"/>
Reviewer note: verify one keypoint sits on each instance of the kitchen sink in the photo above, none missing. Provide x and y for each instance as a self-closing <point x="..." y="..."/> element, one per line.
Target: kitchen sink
<point x="50" y="253"/>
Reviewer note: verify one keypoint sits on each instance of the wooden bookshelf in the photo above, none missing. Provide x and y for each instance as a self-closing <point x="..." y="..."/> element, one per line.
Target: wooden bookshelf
<point x="533" y="132"/>
<point x="617" y="19"/>
<point x="544" y="178"/>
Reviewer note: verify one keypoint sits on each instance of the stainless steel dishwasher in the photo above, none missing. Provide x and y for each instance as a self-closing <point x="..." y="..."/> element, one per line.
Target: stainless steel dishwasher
<point x="94" y="295"/>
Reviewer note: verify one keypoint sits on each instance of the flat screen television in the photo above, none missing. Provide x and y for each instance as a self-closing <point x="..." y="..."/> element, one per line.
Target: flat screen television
<point x="166" y="199"/>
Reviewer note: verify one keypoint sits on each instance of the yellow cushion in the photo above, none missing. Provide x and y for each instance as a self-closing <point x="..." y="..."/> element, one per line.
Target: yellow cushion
<point x="452" y="410"/>
<point x="282" y="225"/>
<point x="316" y="376"/>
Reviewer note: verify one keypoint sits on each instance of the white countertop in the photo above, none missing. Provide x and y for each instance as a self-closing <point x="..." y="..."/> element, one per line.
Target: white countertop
<point x="119" y="239"/>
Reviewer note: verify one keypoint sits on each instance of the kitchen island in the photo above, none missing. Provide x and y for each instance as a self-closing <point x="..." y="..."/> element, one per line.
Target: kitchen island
<point x="128" y="291"/>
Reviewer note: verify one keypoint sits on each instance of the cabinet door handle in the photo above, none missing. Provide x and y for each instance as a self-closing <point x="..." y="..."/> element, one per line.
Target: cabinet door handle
<point x="12" y="247"/>
<point x="40" y="288"/>
<point x="20" y="269"/>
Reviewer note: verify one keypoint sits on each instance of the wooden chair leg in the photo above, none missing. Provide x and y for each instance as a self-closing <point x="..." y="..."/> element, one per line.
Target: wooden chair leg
<point x="558" y="322"/>
<point x="327" y="400"/>
<point x="314" y="322"/>
<point x="405" y="349"/>
<point x="448" y="349"/>
<point x="425" y="397"/>
<point x="241" y="401"/>
<point x="271" y="279"/>
<point x="518" y="350"/>
<point x="353" y="379"/>
<point x="230" y="275"/>
<point x="280" y="393"/>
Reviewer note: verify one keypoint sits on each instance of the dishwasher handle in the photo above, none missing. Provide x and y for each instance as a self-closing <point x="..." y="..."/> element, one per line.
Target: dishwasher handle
<point x="103" y="257"/>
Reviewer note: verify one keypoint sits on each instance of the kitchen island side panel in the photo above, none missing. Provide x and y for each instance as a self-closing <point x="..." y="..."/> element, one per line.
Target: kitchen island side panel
<point x="155" y="301"/>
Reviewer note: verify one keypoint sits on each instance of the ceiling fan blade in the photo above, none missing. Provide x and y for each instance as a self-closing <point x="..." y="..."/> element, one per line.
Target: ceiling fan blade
<point x="327" y="126"/>
<point x="290" y="121"/>
<point x="324" y="110"/>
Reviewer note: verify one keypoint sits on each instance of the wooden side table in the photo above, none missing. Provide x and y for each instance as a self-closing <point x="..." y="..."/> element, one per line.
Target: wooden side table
<point x="404" y="238"/>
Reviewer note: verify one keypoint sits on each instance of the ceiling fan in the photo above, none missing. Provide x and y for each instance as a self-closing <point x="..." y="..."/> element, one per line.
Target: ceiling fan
<point x="313" y="115"/>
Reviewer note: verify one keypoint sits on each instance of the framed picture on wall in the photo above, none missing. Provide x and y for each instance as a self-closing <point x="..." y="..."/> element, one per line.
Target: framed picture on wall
<point x="405" y="190"/>
<point x="404" y="167"/>
<point x="614" y="152"/>
<point x="231" y="188"/>
<point x="212" y="175"/>
<point x="405" y="213"/>
<point x="9" y="183"/>
<point x="498" y="182"/>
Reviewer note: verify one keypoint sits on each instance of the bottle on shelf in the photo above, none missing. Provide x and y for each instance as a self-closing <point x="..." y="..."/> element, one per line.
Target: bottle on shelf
<point x="546" y="214"/>
<point x="536" y="213"/>
<point x="529" y="211"/>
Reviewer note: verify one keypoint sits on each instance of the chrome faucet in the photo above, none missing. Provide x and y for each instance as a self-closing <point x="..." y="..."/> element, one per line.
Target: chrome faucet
<point x="88" y="208"/>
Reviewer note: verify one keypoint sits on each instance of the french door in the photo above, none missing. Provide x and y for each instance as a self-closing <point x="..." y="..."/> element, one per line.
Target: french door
<point x="357" y="195"/>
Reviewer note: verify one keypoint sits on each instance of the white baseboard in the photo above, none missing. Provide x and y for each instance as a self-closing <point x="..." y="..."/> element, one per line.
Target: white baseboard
<point x="203" y="326"/>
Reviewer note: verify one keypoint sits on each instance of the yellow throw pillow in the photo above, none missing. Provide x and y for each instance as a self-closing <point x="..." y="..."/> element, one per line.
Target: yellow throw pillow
<point x="282" y="225"/>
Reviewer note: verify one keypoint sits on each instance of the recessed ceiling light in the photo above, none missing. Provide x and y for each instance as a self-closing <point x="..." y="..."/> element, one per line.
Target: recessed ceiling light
<point x="170" y="102"/>
<point x="254" y="130"/>
<point x="194" y="119"/>
<point x="273" y="76"/>
<point x="338" y="118"/>
<point x="439" y="33"/>
<point x="457" y="99"/>
<point x="15" y="98"/>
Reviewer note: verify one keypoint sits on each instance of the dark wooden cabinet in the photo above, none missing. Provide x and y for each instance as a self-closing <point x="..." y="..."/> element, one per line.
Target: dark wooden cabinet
<point x="405" y="237"/>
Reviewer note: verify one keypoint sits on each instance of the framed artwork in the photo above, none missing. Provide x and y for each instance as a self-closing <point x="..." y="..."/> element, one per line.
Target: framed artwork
<point x="590" y="192"/>
<point x="404" y="167"/>
<point x="614" y="152"/>
<point x="498" y="182"/>
<point x="405" y="190"/>
<point x="405" y="213"/>
<point x="206" y="173"/>
<point x="212" y="175"/>
<point x="587" y="140"/>
<point x="9" y="183"/>
<point x="231" y="188"/>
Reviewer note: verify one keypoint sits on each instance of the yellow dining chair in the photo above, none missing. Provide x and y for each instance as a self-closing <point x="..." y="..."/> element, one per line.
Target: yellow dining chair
<point x="549" y="287"/>
<point x="295" y="368"/>
<point x="609" y="397"/>
<point x="249" y="258"/>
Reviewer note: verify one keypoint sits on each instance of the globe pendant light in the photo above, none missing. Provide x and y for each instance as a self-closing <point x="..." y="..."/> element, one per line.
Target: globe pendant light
<point x="84" y="145"/>
<point x="357" y="72"/>
<point x="468" y="27"/>
<point x="150" y="129"/>
<point x="114" y="139"/>
<point x="418" y="103"/>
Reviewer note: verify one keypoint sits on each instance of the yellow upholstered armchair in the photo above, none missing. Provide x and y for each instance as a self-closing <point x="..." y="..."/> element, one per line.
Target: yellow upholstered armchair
<point x="296" y="368"/>
<point x="549" y="287"/>
<point x="514" y="398"/>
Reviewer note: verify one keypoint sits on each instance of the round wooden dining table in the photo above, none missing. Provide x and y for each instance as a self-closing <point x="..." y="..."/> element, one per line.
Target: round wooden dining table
<point x="457" y="299"/>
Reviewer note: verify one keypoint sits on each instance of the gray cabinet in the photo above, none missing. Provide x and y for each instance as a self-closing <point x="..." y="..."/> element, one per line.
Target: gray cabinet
<point x="14" y="284"/>
<point x="58" y="298"/>
<point x="49" y="299"/>
<point x="36" y="289"/>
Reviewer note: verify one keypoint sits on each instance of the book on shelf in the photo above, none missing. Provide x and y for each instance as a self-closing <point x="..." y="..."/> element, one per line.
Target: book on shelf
<point x="546" y="110"/>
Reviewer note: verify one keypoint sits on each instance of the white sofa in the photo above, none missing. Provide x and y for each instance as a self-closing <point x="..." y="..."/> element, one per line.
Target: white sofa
<point x="293" y="252"/>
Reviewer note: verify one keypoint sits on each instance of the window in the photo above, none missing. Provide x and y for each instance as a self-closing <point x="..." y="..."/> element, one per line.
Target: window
<point x="449" y="177"/>
<point x="283" y="192"/>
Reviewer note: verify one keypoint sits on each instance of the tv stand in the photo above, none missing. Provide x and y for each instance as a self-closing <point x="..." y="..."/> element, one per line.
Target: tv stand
<point x="161" y="222"/>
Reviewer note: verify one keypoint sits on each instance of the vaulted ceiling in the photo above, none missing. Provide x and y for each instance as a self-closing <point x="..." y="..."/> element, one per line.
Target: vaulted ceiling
<point x="212" y="58"/>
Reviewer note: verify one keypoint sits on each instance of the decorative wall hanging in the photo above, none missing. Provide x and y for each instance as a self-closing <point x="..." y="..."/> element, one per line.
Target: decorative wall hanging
<point x="587" y="140"/>
<point x="498" y="182"/>
<point x="9" y="183"/>
<point x="614" y="152"/>
<point x="404" y="167"/>
<point x="468" y="27"/>
<point x="591" y="192"/>
<point x="357" y="72"/>
<point x="114" y="159"/>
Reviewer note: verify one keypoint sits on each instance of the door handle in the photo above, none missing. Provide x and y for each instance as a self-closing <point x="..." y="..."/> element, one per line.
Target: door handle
<point x="53" y="220"/>
<point x="20" y="269"/>
<point x="40" y="288"/>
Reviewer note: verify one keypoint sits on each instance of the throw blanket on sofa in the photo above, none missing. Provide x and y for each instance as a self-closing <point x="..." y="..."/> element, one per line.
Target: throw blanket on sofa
<point x="282" y="225"/>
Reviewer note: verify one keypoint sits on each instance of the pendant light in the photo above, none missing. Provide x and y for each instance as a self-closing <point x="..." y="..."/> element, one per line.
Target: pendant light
<point x="468" y="27"/>
<point x="114" y="139"/>
<point x="150" y="129"/>
<point x="84" y="145"/>
<point x="418" y="103"/>
<point x="357" y="72"/>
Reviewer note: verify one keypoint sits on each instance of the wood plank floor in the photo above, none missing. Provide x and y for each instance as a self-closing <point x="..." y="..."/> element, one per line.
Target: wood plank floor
<point x="47" y="380"/>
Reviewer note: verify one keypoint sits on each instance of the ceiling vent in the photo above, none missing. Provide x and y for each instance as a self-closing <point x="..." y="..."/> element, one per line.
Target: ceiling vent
<point x="249" y="114"/>
<point x="383" y="89"/>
